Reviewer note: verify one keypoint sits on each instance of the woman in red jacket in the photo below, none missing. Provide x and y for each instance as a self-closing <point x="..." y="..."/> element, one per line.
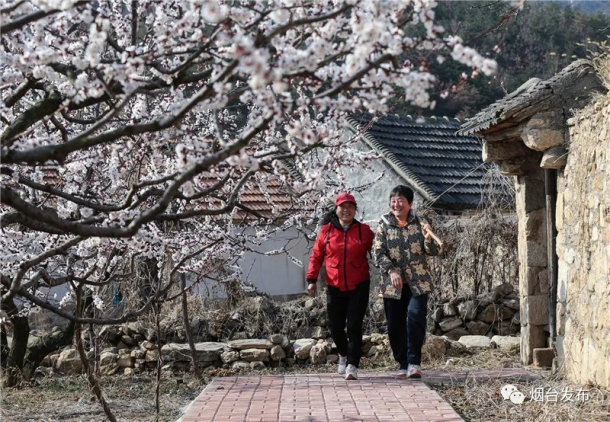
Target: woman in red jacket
<point x="342" y="246"/>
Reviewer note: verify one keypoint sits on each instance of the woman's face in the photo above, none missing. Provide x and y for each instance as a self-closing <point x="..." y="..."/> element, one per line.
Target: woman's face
<point x="346" y="213"/>
<point x="400" y="207"/>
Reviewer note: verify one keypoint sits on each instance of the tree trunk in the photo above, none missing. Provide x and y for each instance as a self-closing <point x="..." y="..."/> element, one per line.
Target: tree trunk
<point x="3" y="346"/>
<point x="21" y="333"/>
<point x="45" y="345"/>
<point x="187" y="326"/>
<point x="93" y="382"/>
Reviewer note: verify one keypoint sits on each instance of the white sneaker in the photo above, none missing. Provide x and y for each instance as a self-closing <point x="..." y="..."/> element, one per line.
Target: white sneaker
<point x="351" y="373"/>
<point x="414" y="371"/>
<point x="401" y="374"/>
<point x="342" y="364"/>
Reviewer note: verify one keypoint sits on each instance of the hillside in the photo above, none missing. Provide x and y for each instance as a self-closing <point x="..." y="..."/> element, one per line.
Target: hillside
<point x="542" y="39"/>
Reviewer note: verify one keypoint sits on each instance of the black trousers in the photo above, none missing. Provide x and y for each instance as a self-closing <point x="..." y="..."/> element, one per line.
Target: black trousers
<point x="406" y="326"/>
<point x="348" y="307"/>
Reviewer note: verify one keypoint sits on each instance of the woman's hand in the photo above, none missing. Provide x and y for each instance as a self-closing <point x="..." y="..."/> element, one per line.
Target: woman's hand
<point x="396" y="279"/>
<point x="312" y="289"/>
<point x="425" y="228"/>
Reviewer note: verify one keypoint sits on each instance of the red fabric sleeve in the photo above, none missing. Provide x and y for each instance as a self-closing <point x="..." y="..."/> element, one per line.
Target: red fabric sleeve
<point x="317" y="255"/>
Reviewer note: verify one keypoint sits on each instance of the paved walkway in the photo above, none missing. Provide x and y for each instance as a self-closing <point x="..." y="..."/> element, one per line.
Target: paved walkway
<point x="376" y="396"/>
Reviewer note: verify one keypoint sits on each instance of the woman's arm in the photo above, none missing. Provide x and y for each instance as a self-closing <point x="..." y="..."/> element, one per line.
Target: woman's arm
<point x="430" y="246"/>
<point x="317" y="257"/>
<point x="380" y="250"/>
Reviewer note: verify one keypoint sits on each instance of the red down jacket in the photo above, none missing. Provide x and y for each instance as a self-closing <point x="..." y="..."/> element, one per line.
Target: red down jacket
<point x="343" y="253"/>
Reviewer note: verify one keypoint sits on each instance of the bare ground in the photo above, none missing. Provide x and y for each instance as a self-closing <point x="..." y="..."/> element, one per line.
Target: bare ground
<point x="67" y="398"/>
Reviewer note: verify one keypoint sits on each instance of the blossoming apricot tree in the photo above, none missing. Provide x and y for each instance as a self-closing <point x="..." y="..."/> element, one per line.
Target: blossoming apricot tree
<point x="131" y="128"/>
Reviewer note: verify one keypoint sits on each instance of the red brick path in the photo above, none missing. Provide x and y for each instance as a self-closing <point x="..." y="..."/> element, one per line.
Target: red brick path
<point x="376" y="396"/>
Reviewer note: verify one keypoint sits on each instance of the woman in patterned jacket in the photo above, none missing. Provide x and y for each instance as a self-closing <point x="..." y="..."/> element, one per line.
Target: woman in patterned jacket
<point x="400" y="248"/>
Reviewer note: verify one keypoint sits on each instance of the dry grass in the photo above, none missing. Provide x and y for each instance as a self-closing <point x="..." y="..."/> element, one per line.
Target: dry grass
<point x="68" y="399"/>
<point x="600" y="57"/>
<point x="482" y="401"/>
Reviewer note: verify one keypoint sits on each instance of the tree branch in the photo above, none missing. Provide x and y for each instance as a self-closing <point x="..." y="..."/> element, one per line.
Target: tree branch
<point x="25" y="266"/>
<point x="41" y="109"/>
<point x="33" y="17"/>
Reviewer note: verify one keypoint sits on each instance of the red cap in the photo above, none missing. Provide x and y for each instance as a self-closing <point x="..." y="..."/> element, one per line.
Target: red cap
<point x="344" y="197"/>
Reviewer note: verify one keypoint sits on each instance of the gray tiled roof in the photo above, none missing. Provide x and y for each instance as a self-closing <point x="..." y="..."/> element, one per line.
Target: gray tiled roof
<point x="445" y="168"/>
<point x="570" y="88"/>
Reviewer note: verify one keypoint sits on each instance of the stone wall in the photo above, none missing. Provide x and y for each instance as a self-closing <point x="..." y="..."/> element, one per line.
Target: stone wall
<point x="583" y="248"/>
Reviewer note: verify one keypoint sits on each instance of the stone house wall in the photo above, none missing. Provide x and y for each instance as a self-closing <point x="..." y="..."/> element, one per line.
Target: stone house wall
<point x="583" y="249"/>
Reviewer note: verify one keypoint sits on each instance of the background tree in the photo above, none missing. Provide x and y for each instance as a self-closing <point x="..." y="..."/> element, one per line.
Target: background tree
<point x="538" y="42"/>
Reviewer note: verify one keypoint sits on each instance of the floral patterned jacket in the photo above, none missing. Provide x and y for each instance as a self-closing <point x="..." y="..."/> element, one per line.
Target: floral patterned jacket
<point x="403" y="248"/>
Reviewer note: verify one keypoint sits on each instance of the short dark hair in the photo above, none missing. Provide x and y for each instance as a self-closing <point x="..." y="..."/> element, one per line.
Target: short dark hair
<point x="402" y="190"/>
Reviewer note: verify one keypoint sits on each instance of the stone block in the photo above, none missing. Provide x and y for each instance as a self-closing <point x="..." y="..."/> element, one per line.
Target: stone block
<point x="254" y="355"/>
<point x="506" y="342"/>
<point x="532" y="337"/>
<point x="534" y="283"/>
<point x="475" y="342"/>
<point x="535" y="225"/>
<point x="530" y="192"/>
<point x="543" y="357"/>
<point x="276" y="338"/>
<point x="542" y="139"/>
<point x="250" y="344"/>
<point x="503" y="150"/>
<point x="257" y="365"/>
<point x="449" y="310"/>
<point x="68" y="362"/>
<point x="493" y="313"/>
<point x="229" y="356"/>
<point x="534" y="310"/>
<point x="277" y="353"/>
<point x="317" y="354"/>
<point x="204" y="351"/>
<point x="450" y="324"/>
<point x="241" y="365"/>
<point x="468" y="310"/>
<point x="457" y="333"/>
<point x="302" y="347"/>
<point x="536" y="253"/>
<point x="437" y="314"/>
<point x="554" y="158"/>
<point x="477" y="327"/>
